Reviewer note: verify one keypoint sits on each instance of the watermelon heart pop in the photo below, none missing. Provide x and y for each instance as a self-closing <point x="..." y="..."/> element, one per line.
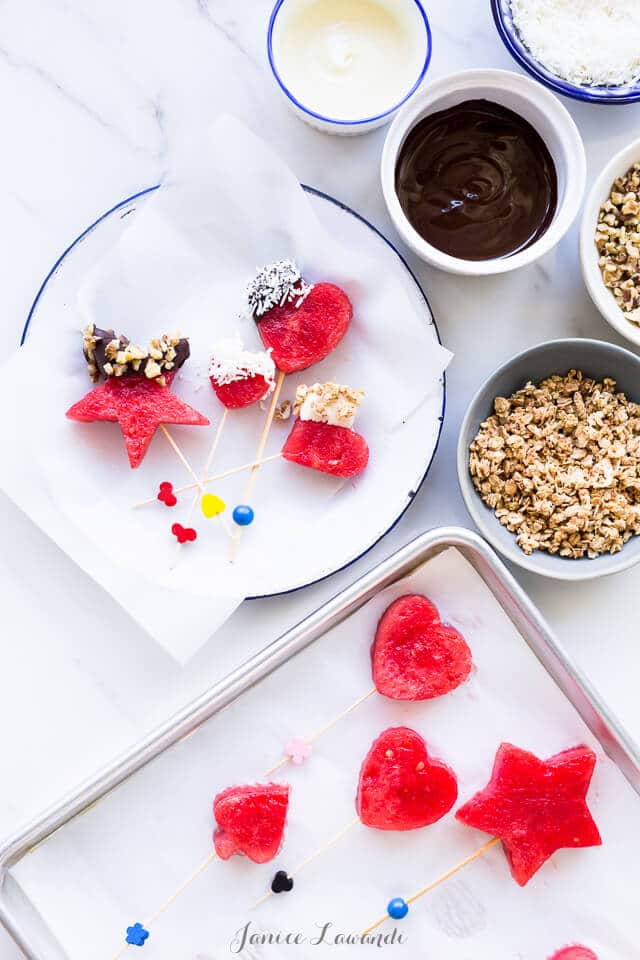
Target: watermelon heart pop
<point x="135" y="392"/>
<point x="323" y="437"/>
<point x="300" y="322"/>
<point x="414" y="655"/>
<point x="535" y="807"/>
<point x="401" y="787"/>
<point x="251" y="820"/>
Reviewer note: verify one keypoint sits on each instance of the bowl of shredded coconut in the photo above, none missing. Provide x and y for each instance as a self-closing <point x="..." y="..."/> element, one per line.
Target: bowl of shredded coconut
<point x="585" y="49"/>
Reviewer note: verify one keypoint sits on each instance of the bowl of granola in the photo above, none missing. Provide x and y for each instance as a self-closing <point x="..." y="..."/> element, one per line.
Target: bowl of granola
<point x="549" y="459"/>
<point x="610" y="242"/>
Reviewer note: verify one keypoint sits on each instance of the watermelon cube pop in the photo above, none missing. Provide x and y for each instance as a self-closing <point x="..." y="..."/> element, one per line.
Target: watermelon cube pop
<point x="136" y="391"/>
<point x="300" y="323"/>
<point x="322" y="437"/>
<point x="251" y="820"/>
<point x="414" y="655"/>
<point x="240" y="377"/>
<point x="401" y="787"/>
<point x="535" y="807"/>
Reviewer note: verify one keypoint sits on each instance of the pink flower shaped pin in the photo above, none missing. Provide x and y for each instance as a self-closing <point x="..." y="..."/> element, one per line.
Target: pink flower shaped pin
<point x="298" y="749"/>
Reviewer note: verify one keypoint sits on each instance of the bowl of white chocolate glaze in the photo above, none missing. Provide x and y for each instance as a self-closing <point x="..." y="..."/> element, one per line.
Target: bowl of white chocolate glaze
<point x="347" y="66"/>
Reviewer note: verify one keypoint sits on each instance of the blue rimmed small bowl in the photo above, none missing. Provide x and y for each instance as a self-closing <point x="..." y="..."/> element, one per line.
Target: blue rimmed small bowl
<point x="356" y="125"/>
<point x="620" y="94"/>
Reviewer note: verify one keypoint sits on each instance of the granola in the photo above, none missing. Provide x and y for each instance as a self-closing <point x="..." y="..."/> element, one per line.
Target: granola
<point x="559" y="463"/>
<point x="618" y="242"/>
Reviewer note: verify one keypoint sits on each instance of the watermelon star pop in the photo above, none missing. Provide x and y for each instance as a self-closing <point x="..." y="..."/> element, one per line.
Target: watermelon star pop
<point x="135" y="392"/>
<point x="323" y="437"/>
<point x="401" y="787"/>
<point x="300" y="322"/>
<point x="414" y="655"/>
<point x="535" y="807"/>
<point x="251" y="820"/>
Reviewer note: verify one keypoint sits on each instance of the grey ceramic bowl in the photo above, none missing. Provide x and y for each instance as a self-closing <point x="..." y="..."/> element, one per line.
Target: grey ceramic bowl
<point x="595" y="358"/>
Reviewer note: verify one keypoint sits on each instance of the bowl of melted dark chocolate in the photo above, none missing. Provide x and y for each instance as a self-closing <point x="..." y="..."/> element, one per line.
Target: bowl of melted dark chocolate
<point x="483" y="172"/>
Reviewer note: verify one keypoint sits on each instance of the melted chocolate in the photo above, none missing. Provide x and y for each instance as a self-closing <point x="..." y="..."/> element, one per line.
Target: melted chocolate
<point x="477" y="181"/>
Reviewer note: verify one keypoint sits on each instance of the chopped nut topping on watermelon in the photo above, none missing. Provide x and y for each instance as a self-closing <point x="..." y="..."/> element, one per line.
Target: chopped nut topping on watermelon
<point x="328" y="403"/>
<point x="111" y="355"/>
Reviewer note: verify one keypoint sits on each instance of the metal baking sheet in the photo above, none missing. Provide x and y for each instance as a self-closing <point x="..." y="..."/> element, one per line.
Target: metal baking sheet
<point x="22" y="920"/>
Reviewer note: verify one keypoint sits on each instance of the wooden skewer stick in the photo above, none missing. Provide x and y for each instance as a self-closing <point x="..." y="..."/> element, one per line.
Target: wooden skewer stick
<point x="181" y="456"/>
<point x="219" y="476"/>
<point x="326" y="728"/>
<point x="174" y="896"/>
<point x="261" y="445"/>
<point x="441" y="879"/>
<point x="305" y="863"/>
<point x="200" y="486"/>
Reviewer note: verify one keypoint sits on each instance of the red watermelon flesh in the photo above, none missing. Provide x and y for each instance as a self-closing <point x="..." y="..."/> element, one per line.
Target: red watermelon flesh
<point x="321" y="446"/>
<point x="574" y="952"/>
<point x="301" y="336"/>
<point x="401" y="787"/>
<point x="241" y="393"/>
<point x="139" y="405"/>
<point x="535" y="807"/>
<point x="251" y="820"/>
<point x="414" y="655"/>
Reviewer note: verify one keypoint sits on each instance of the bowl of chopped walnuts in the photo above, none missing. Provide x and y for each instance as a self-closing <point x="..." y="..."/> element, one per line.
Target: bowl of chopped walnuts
<point x="549" y="459"/>
<point x="610" y="242"/>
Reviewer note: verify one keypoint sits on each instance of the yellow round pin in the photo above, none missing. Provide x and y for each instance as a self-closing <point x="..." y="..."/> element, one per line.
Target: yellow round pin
<point x="211" y="505"/>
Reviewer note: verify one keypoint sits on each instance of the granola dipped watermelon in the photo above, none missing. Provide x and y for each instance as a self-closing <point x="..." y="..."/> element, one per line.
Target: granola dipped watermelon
<point x="323" y="438"/>
<point x="136" y="389"/>
<point x="535" y="807"/>
<point x="250" y="820"/>
<point x="301" y="323"/>
<point x="240" y="377"/>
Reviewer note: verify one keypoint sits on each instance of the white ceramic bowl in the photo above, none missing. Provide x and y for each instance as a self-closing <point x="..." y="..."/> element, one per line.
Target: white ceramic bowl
<point x="530" y="100"/>
<point x="601" y="296"/>
<point x="420" y="29"/>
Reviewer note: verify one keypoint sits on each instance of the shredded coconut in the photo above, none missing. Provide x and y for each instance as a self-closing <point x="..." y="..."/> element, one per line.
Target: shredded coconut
<point x="231" y="362"/>
<point x="587" y="42"/>
<point x="276" y="284"/>
<point x="328" y="403"/>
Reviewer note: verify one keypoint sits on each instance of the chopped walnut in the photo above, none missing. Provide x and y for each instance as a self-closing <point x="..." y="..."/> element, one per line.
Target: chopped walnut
<point x="559" y="463"/>
<point x="618" y="242"/>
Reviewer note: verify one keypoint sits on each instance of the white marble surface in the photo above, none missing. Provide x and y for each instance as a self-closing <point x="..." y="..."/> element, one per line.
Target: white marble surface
<point x="91" y="94"/>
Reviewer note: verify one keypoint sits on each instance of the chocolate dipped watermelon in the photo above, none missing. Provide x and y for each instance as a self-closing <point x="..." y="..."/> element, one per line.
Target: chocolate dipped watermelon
<point x="300" y="323"/>
<point x="240" y="377"/>
<point x="401" y="787"/>
<point x="323" y="438"/>
<point x="250" y="820"/>
<point x="535" y="807"/>
<point x="136" y="391"/>
<point x="414" y="655"/>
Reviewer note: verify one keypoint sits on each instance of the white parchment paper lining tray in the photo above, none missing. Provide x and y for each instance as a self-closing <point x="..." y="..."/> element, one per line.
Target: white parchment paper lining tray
<point x="121" y="860"/>
<point x="227" y="206"/>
